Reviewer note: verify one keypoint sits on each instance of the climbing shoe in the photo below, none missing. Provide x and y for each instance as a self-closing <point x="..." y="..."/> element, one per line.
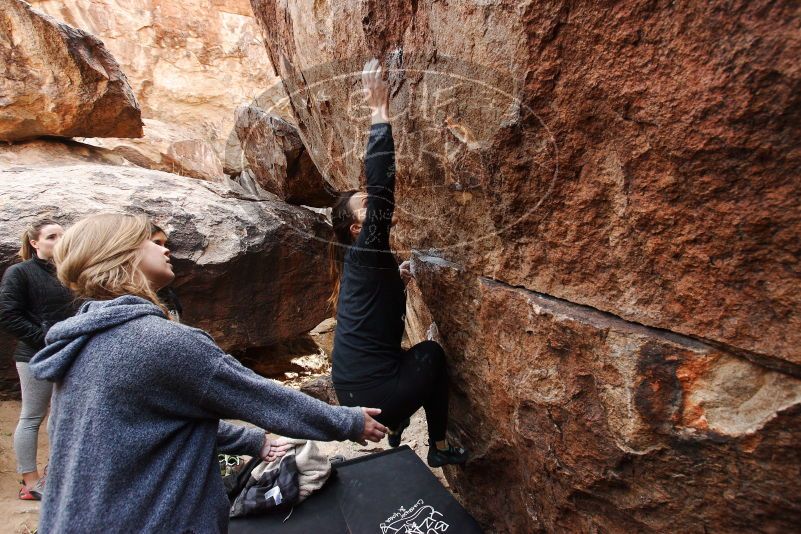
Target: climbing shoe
<point x="33" y="493"/>
<point x="451" y="455"/>
<point x="394" y="435"/>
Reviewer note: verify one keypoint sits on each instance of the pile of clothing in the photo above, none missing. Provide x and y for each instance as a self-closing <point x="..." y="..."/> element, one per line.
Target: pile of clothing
<point x="262" y="487"/>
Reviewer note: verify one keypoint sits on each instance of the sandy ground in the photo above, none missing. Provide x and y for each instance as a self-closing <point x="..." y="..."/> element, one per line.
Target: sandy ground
<point x="23" y="516"/>
<point x="17" y="516"/>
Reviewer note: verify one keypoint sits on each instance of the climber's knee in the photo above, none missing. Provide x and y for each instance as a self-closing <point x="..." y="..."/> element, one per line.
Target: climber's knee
<point x="432" y="352"/>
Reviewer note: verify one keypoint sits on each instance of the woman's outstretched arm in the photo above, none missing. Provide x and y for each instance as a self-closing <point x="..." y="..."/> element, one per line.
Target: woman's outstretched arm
<point x="379" y="163"/>
<point x="205" y="382"/>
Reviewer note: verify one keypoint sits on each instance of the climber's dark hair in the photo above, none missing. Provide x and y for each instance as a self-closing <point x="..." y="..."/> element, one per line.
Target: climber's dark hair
<point x="341" y="219"/>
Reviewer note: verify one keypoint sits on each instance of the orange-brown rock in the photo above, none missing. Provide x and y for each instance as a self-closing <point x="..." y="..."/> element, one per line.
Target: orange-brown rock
<point x="59" y="81"/>
<point x="619" y="185"/>
<point x="271" y="149"/>
<point x="190" y="62"/>
<point x="640" y="160"/>
<point x="47" y="152"/>
<point x="597" y="424"/>
<point x="321" y="388"/>
<point x="170" y="148"/>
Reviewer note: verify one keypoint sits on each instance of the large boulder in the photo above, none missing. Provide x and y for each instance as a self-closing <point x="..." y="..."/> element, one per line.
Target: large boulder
<point x="167" y="147"/>
<point x="597" y="424"/>
<point x="632" y="161"/>
<point x="190" y="63"/>
<point x="626" y="158"/>
<point x="250" y="272"/>
<point x="59" y="81"/>
<point x="271" y="150"/>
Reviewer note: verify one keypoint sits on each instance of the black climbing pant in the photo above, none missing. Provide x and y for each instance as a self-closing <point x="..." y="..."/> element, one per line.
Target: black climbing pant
<point x="421" y="380"/>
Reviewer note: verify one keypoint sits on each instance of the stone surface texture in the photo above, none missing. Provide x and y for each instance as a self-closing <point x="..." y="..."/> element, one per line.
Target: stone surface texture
<point x="250" y="272"/>
<point x="639" y="160"/>
<point x="167" y="147"/>
<point x="59" y="81"/>
<point x="270" y="149"/>
<point x="611" y="193"/>
<point x="190" y="63"/>
<point x="322" y="388"/>
<point x="597" y="424"/>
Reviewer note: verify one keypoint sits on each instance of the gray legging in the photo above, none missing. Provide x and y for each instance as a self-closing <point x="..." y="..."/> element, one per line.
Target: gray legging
<point x="35" y="400"/>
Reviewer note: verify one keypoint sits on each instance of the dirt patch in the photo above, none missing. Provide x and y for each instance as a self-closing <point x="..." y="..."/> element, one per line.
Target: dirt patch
<point x="19" y="516"/>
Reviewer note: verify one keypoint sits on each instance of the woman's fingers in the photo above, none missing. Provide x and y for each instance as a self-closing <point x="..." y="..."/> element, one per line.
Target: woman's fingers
<point x="274" y="448"/>
<point x="378" y="427"/>
<point x="373" y="430"/>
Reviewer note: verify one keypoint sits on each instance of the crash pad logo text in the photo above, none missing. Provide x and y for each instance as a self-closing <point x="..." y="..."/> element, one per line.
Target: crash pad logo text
<point x="420" y="518"/>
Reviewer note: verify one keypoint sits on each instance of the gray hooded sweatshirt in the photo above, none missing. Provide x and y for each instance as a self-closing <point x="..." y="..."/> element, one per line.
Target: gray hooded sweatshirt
<point x="136" y="416"/>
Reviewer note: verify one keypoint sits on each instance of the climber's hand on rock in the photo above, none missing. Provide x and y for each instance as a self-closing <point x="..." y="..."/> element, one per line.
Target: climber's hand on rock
<point x="273" y="448"/>
<point x="373" y="430"/>
<point x="376" y="91"/>
<point x="405" y="270"/>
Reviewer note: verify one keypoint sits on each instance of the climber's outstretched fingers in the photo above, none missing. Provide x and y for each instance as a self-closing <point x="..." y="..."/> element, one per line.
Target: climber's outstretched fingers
<point x="376" y="91"/>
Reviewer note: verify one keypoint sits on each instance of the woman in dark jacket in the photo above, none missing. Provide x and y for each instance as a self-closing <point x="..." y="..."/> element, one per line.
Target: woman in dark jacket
<point x="31" y="301"/>
<point x="369" y="366"/>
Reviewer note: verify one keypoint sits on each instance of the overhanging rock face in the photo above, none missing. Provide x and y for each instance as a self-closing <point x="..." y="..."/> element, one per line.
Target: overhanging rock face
<point x="639" y="160"/>
<point x="57" y="80"/>
<point x="271" y="149"/>
<point x="190" y="63"/>
<point x="619" y="188"/>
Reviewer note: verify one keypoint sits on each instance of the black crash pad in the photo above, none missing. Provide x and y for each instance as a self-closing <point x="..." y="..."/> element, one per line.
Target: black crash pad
<point x="391" y="492"/>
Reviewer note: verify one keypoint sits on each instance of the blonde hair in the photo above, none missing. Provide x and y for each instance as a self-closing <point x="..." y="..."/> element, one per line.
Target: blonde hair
<point x="32" y="233"/>
<point x="98" y="258"/>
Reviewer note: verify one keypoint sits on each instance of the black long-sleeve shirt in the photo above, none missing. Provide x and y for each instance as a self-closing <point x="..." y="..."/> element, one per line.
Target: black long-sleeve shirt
<point x="372" y="300"/>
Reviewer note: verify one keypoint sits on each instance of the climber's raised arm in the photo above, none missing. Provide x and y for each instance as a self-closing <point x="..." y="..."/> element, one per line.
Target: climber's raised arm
<point x="376" y="92"/>
<point x="379" y="163"/>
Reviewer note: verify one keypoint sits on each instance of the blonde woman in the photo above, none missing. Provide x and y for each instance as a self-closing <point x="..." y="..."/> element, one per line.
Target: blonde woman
<point x="138" y="398"/>
<point x="31" y="300"/>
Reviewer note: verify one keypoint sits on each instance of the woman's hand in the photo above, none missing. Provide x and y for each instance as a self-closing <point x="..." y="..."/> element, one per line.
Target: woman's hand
<point x="405" y="270"/>
<point x="273" y="449"/>
<point x="373" y="430"/>
<point x="376" y="91"/>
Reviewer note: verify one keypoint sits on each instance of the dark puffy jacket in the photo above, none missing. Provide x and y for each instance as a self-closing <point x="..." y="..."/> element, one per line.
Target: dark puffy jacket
<point x="31" y="301"/>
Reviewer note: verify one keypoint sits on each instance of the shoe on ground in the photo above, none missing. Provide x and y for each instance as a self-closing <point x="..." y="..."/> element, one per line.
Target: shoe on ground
<point x="394" y="436"/>
<point x="450" y="456"/>
<point x="30" y="494"/>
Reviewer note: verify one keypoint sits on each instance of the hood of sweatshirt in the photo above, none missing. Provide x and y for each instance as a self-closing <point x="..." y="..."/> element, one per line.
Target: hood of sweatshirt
<point x="66" y="339"/>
